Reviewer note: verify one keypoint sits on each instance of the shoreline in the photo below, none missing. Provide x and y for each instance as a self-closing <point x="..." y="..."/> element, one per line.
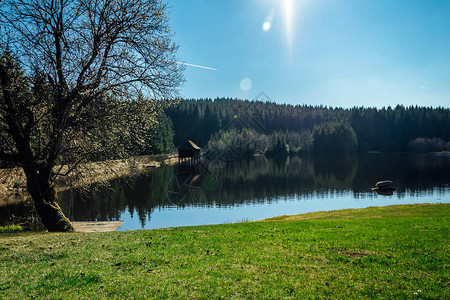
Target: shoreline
<point x="13" y="182"/>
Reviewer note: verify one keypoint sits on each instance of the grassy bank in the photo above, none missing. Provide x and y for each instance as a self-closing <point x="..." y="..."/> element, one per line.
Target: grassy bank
<point x="389" y="252"/>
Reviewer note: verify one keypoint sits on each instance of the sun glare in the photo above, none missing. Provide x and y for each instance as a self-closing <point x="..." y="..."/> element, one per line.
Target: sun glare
<point x="266" y="26"/>
<point x="288" y="15"/>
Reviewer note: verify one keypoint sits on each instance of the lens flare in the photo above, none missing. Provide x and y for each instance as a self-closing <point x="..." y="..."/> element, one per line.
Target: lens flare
<point x="246" y="84"/>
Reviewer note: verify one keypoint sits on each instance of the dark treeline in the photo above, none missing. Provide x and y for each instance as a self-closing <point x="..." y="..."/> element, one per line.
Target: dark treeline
<point x="243" y="128"/>
<point x="274" y="128"/>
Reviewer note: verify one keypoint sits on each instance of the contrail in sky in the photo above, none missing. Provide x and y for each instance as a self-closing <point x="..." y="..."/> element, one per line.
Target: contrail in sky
<point x="196" y="66"/>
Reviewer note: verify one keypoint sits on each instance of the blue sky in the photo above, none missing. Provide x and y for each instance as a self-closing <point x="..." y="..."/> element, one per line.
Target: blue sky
<point x="339" y="53"/>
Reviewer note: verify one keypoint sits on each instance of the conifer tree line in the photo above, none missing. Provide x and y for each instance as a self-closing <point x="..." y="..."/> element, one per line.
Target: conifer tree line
<point x="271" y="128"/>
<point x="246" y="128"/>
<point x="253" y="127"/>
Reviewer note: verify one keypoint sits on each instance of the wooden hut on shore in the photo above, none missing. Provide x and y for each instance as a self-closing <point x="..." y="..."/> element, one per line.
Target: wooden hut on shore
<point x="189" y="154"/>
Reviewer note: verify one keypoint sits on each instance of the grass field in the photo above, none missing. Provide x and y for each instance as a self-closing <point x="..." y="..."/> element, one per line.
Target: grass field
<point x="388" y="252"/>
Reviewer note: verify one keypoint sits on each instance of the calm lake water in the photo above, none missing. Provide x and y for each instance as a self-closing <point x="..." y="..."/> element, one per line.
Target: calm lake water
<point x="261" y="188"/>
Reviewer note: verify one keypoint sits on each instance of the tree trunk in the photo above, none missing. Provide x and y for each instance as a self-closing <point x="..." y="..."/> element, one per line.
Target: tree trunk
<point x="51" y="214"/>
<point x="44" y="195"/>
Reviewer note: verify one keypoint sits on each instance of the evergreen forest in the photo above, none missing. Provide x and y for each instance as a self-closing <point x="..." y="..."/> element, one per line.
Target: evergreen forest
<point x="252" y="127"/>
<point x="242" y="128"/>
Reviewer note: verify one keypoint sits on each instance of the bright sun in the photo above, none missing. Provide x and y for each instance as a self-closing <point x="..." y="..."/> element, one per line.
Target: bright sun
<point x="285" y="11"/>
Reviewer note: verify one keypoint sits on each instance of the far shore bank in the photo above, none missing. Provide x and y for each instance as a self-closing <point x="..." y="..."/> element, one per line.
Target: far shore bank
<point x="13" y="181"/>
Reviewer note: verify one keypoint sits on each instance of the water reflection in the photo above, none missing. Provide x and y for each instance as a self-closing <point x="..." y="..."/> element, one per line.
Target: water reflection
<point x="261" y="188"/>
<point x="260" y="181"/>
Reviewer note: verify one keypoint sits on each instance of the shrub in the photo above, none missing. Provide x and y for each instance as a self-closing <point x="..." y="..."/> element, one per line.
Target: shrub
<point x="424" y="145"/>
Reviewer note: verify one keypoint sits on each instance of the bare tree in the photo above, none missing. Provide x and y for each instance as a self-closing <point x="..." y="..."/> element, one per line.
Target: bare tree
<point x="66" y="67"/>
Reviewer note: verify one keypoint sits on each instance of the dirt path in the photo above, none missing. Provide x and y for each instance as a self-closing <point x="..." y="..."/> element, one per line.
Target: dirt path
<point x="96" y="226"/>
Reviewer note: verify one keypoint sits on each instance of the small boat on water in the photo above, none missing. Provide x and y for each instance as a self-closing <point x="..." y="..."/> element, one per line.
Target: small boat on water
<point x="385" y="188"/>
<point x="385" y="185"/>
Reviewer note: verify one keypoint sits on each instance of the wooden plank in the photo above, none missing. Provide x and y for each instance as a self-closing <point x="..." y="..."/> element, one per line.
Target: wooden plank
<point x="95" y="226"/>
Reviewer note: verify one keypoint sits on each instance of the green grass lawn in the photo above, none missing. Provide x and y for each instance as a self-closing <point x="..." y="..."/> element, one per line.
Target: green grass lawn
<point x="389" y="252"/>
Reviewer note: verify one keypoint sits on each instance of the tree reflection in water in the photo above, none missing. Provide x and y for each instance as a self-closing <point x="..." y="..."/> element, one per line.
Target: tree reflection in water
<point x="259" y="180"/>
